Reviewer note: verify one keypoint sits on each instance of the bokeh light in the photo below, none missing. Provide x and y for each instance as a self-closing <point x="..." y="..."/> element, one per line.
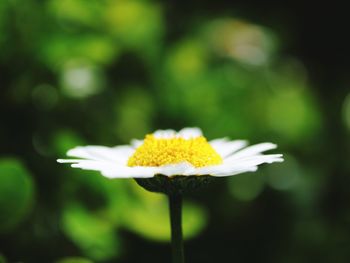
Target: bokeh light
<point x="14" y="205"/>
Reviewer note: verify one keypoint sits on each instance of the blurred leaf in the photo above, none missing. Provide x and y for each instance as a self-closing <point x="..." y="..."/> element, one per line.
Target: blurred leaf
<point x="64" y="140"/>
<point x="118" y="195"/>
<point x="77" y="11"/>
<point x="134" y="109"/>
<point x="291" y="110"/>
<point x="74" y="260"/>
<point x="136" y="24"/>
<point x="247" y="186"/>
<point x="45" y="97"/>
<point x="195" y="219"/>
<point x="3" y="26"/>
<point x="59" y="49"/>
<point x="308" y="186"/>
<point x="148" y="216"/>
<point x="91" y="232"/>
<point x="187" y="60"/>
<point x="16" y="193"/>
<point x="292" y="115"/>
<point x="2" y="259"/>
<point x="311" y="231"/>
<point x="286" y="175"/>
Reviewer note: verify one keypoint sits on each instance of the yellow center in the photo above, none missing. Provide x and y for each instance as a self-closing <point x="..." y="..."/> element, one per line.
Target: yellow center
<point x="160" y="151"/>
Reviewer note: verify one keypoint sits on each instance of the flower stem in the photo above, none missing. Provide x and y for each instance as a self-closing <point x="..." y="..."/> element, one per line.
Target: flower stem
<point x="175" y="206"/>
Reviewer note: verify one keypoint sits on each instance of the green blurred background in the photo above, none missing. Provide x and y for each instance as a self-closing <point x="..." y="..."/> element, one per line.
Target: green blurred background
<point x="76" y="72"/>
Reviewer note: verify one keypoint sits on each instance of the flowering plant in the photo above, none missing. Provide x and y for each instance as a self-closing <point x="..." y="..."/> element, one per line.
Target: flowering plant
<point x="172" y="163"/>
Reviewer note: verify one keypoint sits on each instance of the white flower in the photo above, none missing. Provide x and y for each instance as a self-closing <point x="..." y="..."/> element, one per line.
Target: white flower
<point x="171" y="153"/>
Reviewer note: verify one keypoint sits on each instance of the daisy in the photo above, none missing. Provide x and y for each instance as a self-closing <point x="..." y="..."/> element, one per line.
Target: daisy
<point x="173" y="163"/>
<point x="171" y="153"/>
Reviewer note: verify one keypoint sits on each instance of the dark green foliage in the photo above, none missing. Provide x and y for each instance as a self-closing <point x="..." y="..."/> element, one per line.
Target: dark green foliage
<point x="101" y="72"/>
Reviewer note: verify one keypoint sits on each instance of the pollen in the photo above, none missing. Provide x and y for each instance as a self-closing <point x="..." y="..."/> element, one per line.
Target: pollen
<point x="162" y="151"/>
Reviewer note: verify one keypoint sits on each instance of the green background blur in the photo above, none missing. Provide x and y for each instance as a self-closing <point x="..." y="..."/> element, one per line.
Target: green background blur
<point x="78" y="72"/>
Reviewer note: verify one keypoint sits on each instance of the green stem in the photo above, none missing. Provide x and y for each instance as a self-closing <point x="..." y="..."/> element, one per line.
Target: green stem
<point x="175" y="206"/>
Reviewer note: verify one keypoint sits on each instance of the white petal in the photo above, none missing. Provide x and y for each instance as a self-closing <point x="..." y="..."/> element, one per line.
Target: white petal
<point x="119" y="154"/>
<point x="215" y="169"/>
<point x="130" y="172"/>
<point x="252" y="150"/>
<point x="94" y="165"/>
<point x="242" y="165"/>
<point x="235" y="172"/>
<point x="188" y="133"/>
<point x="164" y="134"/>
<point x="224" y="170"/>
<point x="68" y="160"/>
<point x="113" y="170"/>
<point x="255" y="160"/>
<point x="183" y="168"/>
<point x="136" y="143"/>
<point x="224" y="147"/>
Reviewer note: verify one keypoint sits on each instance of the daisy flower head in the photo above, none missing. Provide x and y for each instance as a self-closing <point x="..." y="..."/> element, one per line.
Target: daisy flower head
<point x="167" y="161"/>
